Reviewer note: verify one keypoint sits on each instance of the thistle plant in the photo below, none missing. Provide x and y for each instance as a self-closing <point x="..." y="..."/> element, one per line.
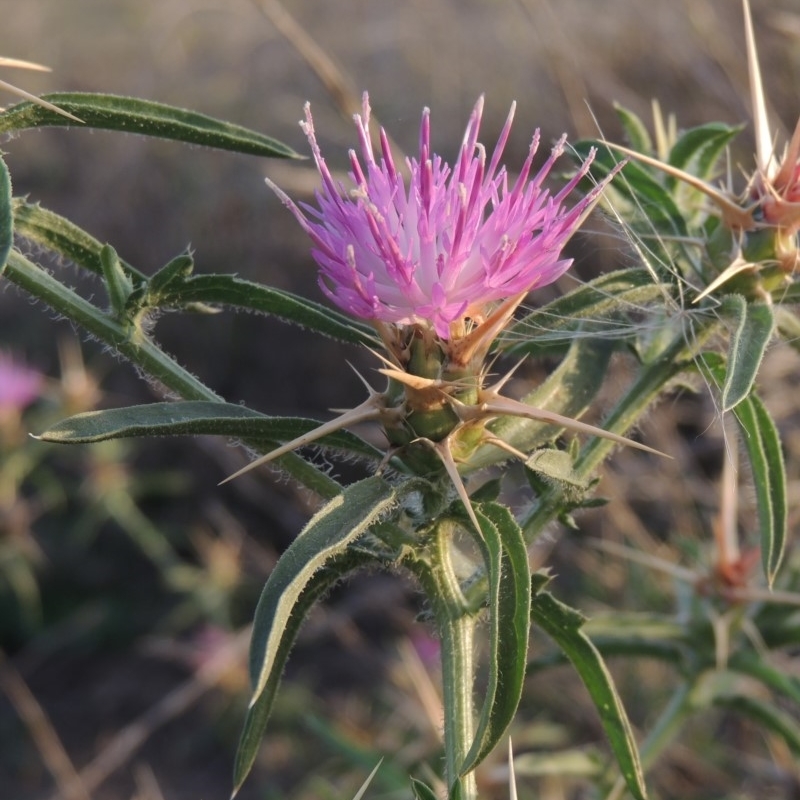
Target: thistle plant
<point x="429" y="265"/>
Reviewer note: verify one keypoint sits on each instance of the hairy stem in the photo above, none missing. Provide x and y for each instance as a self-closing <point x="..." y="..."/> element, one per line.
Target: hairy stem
<point x="456" y="623"/>
<point x="131" y="342"/>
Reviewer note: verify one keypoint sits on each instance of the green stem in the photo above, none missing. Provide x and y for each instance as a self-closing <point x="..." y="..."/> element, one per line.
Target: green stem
<point x="456" y="623"/>
<point x="131" y="342"/>
<point x="458" y="672"/>
<point x="125" y="339"/>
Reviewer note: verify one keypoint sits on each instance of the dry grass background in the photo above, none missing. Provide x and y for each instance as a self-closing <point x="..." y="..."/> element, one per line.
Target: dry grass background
<point x="565" y="62"/>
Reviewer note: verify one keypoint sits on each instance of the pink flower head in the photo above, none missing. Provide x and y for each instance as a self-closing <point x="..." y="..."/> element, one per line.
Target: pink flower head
<point x="446" y="245"/>
<point x="778" y="188"/>
<point x="19" y="385"/>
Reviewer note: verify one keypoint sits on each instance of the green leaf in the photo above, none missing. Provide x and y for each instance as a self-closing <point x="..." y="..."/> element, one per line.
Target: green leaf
<point x="422" y="791"/>
<point x="258" y="714"/>
<point x="776" y="678"/>
<point x="766" y="714"/>
<point x="174" y="287"/>
<point x="755" y="324"/>
<point x="118" y="284"/>
<point x="636" y="131"/>
<point x="231" y="291"/>
<point x="763" y="446"/>
<point x="196" y="418"/>
<point x="556" y="465"/>
<point x="6" y="216"/>
<point x="637" y="190"/>
<point x="509" y="602"/>
<point x="563" y="624"/>
<point x="177" y="269"/>
<point x="57" y="234"/>
<point x="129" y="114"/>
<point x="329" y="532"/>
<point x="318" y="558"/>
<point x="598" y="309"/>
<point x="697" y="150"/>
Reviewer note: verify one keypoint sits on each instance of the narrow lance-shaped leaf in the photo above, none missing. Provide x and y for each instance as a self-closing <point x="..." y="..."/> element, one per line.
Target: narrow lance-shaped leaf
<point x="40" y="284"/>
<point x="132" y="115"/>
<point x="697" y="150"/>
<point x="767" y="715"/>
<point x="755" y="324"/>
<point x="174" y="287"/>
<point x="231" y="291"/>
<point x="763" y="446"/>
<point x="636" y="131"/>
<point x="62" y="237"/>
<point x="509" y="601"/>
<point x="118" y="284"/>
<point x="195" y="418"/>
<point x="563" y="624"/>
<point x="326" y="536"/>
<point x="422" y="791"/>
<point x="6" y="216"/>
<point x="258" y="714"/>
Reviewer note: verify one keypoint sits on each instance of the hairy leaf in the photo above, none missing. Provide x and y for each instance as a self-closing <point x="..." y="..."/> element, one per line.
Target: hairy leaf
<point x="229" y="290"/>
<point x="755" y="324"/>
<point x="258" y="714"/>
<point x="563" y="624"/>
<point x="195" y="418"/>
<point x="763" y="446"/>
<point x="326" y="536"/>
<point x="6" y="216"/>
<point x="129" y="114"/>
<point x="509" y="601"/>
<point x="598" y="309"/>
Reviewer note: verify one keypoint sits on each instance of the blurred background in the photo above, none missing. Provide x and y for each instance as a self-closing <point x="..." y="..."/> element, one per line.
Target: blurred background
<point x="126" y="573"/>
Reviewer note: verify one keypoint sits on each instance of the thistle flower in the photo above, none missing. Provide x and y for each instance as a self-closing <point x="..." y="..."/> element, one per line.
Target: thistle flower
<point x="441" y="250"/>
<point x="439" y="264"/>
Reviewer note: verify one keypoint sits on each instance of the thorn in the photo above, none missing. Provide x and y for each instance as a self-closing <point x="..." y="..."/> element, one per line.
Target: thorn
<point x="504" y="380"/>
<point x="739" y="265"/>
<point x="370" y="391"/>
<point x="38" y="100"/>
<point x="442" y="449"/>
<point x="733" y="214"/>
<point x="765" y="153"/>
<point x="370" y="409"/>
<point x="500" y="444"/>
<point x="497" y="405"/>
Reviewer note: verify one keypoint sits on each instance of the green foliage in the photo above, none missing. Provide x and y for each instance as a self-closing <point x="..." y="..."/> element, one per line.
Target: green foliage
<point x="197" y="418"/>
<point x="763" y="447"/>
<point x="564" y="624"/>
<point x="508" y="601"/>
<point x="299" y="578"/>
<point x="671" y="315"/>
<point x="132" y="115"/>
<point x="755" y="326"/>
<point x="6" y="216"/>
